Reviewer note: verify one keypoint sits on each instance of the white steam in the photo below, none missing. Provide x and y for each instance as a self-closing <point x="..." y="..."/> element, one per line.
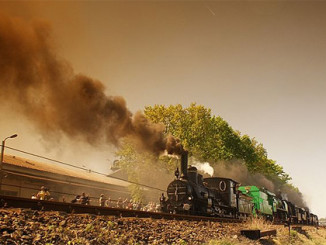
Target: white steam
<point x="205" y="167"/>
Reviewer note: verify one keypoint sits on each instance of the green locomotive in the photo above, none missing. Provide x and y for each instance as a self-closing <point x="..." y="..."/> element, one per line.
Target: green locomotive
<point x="264" y="201"/>
<point x="276" y="208"/>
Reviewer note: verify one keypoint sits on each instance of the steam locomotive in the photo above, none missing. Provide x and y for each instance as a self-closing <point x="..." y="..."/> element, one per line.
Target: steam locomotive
<point x="192" y="194"/>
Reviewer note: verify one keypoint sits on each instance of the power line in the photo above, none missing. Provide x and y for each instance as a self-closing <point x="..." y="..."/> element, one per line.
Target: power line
<point x="82" y="168"/>
<point x="62" y="182"/>
<point x="52" y="191"/>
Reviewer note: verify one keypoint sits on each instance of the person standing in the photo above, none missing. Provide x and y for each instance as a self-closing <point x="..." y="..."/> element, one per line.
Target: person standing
<point x="102" y="200"/>
<point x="108" y="203"/>
<point x="84" y="199"/>
<point x="43" y="194"/>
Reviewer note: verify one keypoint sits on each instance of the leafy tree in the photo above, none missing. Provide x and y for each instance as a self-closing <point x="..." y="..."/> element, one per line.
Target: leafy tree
<point x="207" y="137"/>
<point x="128" y="159"/>
<point x="143" y="168"/>
<point x="210" y="138"/>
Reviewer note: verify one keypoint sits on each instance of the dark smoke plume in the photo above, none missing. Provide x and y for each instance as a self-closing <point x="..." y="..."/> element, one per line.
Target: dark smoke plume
<point x="238" y="171"/>
<point x="44" y="88"/>
<point x="174" y="146"/>
<point x="294" y="196"/>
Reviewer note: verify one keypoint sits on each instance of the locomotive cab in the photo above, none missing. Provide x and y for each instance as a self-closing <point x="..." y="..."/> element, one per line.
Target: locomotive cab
<point x="225" y="191"/>
<point x="225" y="188"/>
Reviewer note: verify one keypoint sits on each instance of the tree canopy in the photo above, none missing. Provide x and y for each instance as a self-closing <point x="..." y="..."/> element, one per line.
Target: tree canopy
<point x="208" y="138"/>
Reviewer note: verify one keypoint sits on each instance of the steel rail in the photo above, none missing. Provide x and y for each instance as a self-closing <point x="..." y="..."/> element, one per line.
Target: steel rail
<point x="43" y="205"/>
<point x="73" y="208"/>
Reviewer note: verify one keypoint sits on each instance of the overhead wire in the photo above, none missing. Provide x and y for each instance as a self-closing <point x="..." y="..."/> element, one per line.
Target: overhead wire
<point x="83" y="168"/>
<point x="61" y="182"/>
<point x="52" y="191"/>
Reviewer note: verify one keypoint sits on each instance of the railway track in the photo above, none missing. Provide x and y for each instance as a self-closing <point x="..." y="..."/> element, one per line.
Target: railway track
<point x="41" y="205"/>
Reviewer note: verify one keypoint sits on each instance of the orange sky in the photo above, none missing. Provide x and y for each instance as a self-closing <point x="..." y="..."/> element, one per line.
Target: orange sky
<point x="259" y="65"/>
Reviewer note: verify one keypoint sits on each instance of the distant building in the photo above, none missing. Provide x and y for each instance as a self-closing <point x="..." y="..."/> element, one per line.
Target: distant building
<point x="322" y="222"/>
<point x="23" y="178"/>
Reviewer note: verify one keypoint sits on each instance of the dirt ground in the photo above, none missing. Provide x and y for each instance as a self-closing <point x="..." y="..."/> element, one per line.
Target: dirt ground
<point x="18" y="226"/>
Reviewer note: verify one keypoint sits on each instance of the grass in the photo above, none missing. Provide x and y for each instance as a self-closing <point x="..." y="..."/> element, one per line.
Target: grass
<point x="309" y="236"/>
<point x="257" y="224"/>
<point x="225" y="241"/>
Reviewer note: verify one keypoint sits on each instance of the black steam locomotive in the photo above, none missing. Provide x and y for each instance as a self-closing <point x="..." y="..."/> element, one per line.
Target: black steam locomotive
<point x="192" y="194"/>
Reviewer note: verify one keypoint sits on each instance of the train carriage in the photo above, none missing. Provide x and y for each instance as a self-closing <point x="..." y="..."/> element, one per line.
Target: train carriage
<point x="291" y="215"/>
<point x="314" y="219"/>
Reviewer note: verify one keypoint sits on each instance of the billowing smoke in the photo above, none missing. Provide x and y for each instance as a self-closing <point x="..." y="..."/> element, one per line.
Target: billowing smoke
<point x="238" y="171"/>
<point x="205" y="167"/>
<point x="293" y="196"/>
<point x="174" y="146"/>
<point x="44" y="88"/>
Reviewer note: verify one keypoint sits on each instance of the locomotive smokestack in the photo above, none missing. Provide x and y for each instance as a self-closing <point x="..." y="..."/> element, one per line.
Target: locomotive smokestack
<point x="184" y="164"/>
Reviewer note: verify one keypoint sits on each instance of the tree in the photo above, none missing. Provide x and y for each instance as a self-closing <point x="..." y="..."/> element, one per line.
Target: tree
<point x="210" y="138"/>
<point x="143" y="168"/>
<point x="207" y="137"/>
<point x="128" y="159"/>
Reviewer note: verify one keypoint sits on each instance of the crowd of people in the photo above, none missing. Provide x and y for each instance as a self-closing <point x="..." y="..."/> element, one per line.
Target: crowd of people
<point x="128" y="204"/>
<point x="82" y="199"/>
<point x="103" y="201"/>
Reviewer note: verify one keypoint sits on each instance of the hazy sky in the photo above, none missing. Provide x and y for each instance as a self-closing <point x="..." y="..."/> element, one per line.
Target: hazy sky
<point x="260" y="65"/>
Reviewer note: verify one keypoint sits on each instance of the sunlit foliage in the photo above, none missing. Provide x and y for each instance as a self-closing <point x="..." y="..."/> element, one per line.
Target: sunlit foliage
<point x="210" y="138"/>
<point x="207" y="137"/>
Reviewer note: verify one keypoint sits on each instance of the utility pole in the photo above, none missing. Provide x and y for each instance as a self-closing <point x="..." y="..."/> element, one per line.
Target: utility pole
<point x="2" y="155"/>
